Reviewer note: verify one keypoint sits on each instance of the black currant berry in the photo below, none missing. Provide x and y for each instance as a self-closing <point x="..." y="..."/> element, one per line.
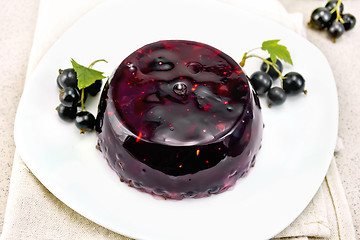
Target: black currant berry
<point x="332" y="4"/>
<point x="293" y="83"/>
<point x="273" y="74"/>
<point x="349" y="21"/>
<point x="67" y="78"/>
<point x="276" y="96"/>
<point x="85" y="121"/>
<point x="94" y="88"/>
<point x="66" y="113"/>
<point x="69" y="96"/>
<point x="321" y="18"/>
<point x="261" y="82"/>
<point x="336" y="29"/>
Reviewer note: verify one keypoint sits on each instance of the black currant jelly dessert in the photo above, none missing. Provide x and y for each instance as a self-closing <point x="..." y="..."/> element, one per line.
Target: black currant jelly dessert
<point x="178" y="119"/>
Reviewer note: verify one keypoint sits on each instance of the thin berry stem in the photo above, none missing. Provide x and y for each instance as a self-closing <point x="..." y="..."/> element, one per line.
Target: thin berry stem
<point x="96" y="61"/>
<point x="253" y="49"/>
<point x="337" y="10"/>
<point x="268" y="63"/>
<point x="242" y="63"/>
<point x="82" y="99"/>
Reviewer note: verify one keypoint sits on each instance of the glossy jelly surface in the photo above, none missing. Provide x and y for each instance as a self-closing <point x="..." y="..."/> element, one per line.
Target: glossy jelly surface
<point x="179" y="119"/>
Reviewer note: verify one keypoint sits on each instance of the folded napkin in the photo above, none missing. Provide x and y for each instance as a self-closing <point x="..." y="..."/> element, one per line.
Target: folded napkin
<point x="32" y="212"/>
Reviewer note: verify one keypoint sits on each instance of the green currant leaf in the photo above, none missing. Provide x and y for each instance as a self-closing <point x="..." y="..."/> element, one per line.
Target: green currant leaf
<point x="86" y="76"/>
<point x="276" y="51"/>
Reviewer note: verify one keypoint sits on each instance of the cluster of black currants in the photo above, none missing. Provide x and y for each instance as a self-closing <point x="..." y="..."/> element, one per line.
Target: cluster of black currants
<point x="332" y="19"/>
<point x="291" y="84"/>
<point x="72" y="100"/>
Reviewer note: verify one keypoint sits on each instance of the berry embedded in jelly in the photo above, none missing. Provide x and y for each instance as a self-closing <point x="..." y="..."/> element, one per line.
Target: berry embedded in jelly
<point x="179" y="119"/>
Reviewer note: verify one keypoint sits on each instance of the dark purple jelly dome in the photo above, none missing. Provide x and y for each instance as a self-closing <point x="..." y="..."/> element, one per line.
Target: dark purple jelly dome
<point x="179" y="119"/>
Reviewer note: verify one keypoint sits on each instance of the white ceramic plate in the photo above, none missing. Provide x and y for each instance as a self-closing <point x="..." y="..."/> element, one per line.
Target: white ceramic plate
<point x="298" y="143"/>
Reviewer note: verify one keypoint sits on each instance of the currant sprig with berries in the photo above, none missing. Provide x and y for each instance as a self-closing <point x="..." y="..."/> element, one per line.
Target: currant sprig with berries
<point x="75" y="84"/>
<point x="271" y="69"/>
<point x="332" y="19"/>
<point x="86" y="76"/>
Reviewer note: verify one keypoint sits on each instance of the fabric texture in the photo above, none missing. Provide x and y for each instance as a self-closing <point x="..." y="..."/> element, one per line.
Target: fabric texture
<point x="34" y="213"/>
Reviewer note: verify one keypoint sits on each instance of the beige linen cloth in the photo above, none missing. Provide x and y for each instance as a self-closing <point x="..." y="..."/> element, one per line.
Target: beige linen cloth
<point x="34" y="213"/>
